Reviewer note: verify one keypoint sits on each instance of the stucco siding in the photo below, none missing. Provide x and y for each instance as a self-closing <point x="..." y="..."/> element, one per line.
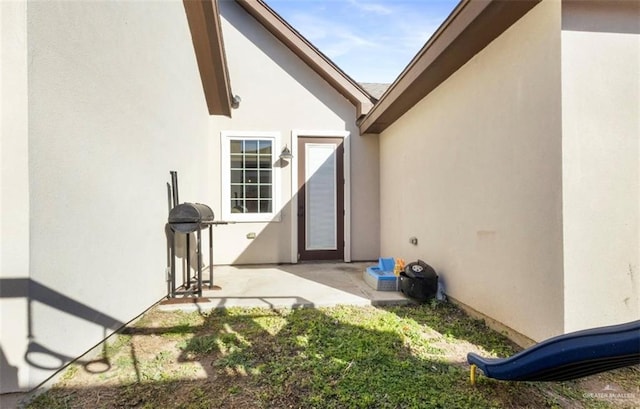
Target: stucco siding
<point x="14" y="194"/>
<point x="280" y="93"/>
<point x="474" y="172"/>
<point x="601" y="156"/>
<point x="114" y="103"/>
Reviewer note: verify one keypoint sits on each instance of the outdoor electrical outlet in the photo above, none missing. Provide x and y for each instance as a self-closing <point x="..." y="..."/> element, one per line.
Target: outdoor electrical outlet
<point x="414" y="241"/>
<point x="251" y="235"/>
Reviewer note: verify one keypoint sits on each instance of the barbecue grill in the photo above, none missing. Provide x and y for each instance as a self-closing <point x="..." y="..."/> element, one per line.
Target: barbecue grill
<point x="190" y="217"/>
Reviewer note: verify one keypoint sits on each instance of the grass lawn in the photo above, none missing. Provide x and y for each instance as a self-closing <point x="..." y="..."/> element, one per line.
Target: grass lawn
<point x="341" y="357"/>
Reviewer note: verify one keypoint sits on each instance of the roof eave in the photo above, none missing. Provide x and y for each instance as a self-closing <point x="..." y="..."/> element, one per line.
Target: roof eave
<point x="469" y="28"/>
<point x="206" y="33"/>
<point x="308" y="53"/>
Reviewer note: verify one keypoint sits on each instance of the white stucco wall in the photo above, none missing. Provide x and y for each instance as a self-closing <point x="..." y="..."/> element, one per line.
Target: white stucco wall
<point x="474" y="172"/>
<point x="280" y="93"/>
<point x="14" y="192"/>
<point x="114" y="103"/>
<point x="601" y="156"/>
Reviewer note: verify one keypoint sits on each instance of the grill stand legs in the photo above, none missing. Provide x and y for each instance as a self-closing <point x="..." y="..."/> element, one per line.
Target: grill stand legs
<point x="199" y="282"/>
<point x="209" y="282"/>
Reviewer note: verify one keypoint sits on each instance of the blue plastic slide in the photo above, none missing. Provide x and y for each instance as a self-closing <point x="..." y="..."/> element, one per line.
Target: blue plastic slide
<point x="568" y="356"/>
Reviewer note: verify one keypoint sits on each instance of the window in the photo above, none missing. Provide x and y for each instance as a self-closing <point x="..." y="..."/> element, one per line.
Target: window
<point x="250" y="184"/>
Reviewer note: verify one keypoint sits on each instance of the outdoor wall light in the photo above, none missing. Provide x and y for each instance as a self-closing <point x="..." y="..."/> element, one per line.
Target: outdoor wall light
<point x="286" y="153"/>
<point x="235" y="102"/>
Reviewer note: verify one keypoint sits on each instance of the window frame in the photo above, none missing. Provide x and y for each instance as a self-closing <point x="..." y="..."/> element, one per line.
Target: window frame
<point x="225" y="162"/>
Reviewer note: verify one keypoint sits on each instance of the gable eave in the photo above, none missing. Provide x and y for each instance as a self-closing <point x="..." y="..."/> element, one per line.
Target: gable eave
<point x="203" y="17"/>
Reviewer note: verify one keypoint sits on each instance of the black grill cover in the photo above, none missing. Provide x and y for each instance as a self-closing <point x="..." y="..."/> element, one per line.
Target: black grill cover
<point x="189" y="217"/>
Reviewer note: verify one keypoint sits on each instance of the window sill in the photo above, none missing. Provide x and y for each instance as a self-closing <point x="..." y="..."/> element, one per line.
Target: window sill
<point x="252" y="218"/>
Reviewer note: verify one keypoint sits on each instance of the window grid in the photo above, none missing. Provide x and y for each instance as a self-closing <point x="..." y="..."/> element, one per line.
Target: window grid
<point x="251" y="175"/>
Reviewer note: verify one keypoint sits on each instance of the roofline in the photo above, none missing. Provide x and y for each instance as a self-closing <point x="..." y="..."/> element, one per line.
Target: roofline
<point x="470" y="27"/>
<point x="308" y="53"/>
<point x="206" y="34"/>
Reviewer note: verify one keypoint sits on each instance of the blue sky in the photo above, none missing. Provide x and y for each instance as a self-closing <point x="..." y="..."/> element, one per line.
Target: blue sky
<point x="371" y="40"/>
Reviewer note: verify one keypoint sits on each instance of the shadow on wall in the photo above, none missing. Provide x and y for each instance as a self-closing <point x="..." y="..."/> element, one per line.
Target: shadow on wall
<point x="276" y="234"/>
<point x="273" y="241"/>
<point x="38" y="355"/>
<point x="8" y="374"/>
<point x="276" y="237"/>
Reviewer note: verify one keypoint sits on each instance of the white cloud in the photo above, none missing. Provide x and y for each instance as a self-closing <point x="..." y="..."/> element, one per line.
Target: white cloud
<point x="332" y="37"/>
<point x="371" y="7"/>
<point x="412" y="33"/>
<point x="346" y="42"/>
<point x="371" y="40"/>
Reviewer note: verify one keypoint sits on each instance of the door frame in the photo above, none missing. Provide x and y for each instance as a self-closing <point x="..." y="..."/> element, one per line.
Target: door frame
<point x="295" y="134"/>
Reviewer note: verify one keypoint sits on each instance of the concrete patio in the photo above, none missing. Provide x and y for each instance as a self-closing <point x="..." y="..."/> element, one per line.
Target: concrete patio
<point x="288" y="285"/>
